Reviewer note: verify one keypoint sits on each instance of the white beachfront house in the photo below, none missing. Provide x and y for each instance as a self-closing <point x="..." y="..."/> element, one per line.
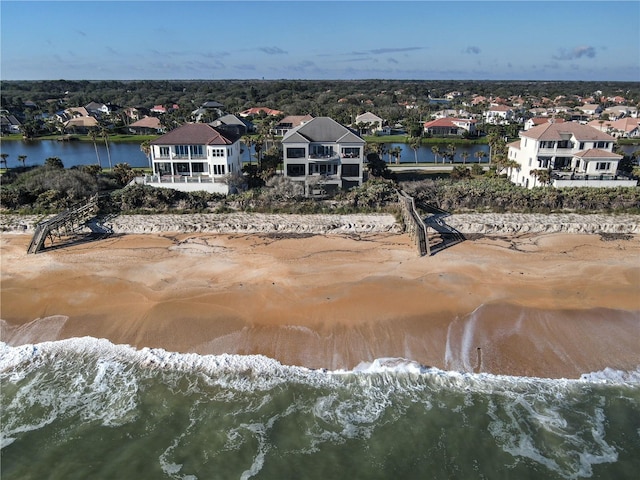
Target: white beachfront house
<point x="324" y="156"/>
<point x="575" y="155"/>
<point x="195" y="157"/>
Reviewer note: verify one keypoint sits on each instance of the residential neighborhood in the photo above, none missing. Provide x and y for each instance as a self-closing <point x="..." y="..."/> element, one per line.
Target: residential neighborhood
<point x="561" y="140"/>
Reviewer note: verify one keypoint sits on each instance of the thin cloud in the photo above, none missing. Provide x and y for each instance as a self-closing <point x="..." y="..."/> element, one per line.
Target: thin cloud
<point x="577" y="52"/>
<point x="215" y="55"/>
<point x="272" y="50"/>
<point x="471" y="49"/>
<point x="380" y="51"/>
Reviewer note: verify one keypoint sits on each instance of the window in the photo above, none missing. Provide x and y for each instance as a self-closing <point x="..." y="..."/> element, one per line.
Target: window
<point x="324" y="169"/>
<point x="295" y="153"/>
<point x="581" y="145"/>
<point x="164" y="152"/>
<point x="351" y="152"/>
<point x="602" y="145"/>
<point x="320" y="151"/>
<point x="295" y="170"/>
<point x="603" y="165"/>
<point x="182" y="150"/>
<point x="219" y="169"/>
<point x="217" y="152"/>
<point x="197" y="167"/>
<point x="182" y="168"/>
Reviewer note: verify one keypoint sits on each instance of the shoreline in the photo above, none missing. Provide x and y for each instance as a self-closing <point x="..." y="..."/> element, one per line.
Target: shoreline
<point x="536" y="304"/>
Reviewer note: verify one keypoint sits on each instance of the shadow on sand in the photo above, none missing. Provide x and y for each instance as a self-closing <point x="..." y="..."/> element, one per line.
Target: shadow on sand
<point x="98" y="231"/>
<point x="446" y="236"/>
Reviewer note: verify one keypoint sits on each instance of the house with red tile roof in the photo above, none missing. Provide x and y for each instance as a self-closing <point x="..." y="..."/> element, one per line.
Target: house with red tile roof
<point x="290" y="122"/>
<point x="573" y="154"/>
<point x="146" y="126"/>
<point x="163" y="109"/>
<point x="535" y="121"/>
<point x="195" y="157"/>
<point x="254" y="111"/>
<point x="449" y="126"/>
<point x="622" y="128"/>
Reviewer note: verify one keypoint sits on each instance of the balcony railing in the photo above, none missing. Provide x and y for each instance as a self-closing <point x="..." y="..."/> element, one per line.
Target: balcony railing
<point x="319" y="156"/>
<point x="558" y="175"/>
<point x="181" y="179"/>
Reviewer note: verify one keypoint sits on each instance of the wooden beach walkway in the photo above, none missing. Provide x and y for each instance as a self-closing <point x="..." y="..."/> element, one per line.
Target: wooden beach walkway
<point x="64" y="223"/>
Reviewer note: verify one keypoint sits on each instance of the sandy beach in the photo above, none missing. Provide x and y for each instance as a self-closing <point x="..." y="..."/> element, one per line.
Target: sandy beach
<point x="535" y="303"/>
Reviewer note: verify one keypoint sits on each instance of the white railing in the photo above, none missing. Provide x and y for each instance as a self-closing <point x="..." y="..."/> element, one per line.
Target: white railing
<point x="180" y="179"/>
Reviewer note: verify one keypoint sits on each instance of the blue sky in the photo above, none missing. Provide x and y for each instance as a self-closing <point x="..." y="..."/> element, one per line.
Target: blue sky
<point x="421" y="40"/>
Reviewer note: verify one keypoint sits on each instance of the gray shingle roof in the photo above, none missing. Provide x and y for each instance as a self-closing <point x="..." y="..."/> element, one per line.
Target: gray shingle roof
<point x="321" y="129"/>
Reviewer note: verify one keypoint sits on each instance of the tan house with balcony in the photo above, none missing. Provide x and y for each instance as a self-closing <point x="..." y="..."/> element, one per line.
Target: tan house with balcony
<point x="324" y="156"/>
<point x="195" y="157"/>
<point x="575" y="155"/>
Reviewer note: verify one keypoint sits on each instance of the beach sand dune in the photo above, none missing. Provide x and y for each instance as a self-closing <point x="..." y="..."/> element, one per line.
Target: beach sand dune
<point x="552" y="305"/>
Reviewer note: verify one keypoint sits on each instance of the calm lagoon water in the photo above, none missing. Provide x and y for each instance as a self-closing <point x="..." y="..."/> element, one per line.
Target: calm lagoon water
<point x="84" y="153"/>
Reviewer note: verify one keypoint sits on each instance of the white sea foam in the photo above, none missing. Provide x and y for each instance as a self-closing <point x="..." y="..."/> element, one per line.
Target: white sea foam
<point x="611" y="375"/>
<point x="100" y="382"/>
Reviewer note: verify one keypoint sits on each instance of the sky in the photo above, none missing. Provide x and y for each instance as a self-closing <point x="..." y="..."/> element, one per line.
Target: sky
<point x="385" y="39"/>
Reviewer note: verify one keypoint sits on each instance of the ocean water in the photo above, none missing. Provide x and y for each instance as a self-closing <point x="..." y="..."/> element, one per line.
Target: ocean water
<point x="88" y="409"/>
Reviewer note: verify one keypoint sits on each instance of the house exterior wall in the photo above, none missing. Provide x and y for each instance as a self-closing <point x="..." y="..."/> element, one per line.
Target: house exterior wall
<point x="324" y="166"/>
<point x="565" y="158"/>
<point x="195" y="167"/>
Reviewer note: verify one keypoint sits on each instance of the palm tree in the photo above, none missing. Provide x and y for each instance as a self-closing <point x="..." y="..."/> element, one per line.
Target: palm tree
<point x="395" y="153"/>
<point x="510" y="165"/>
<point x="492" y="138"/>
<point x="22" y="159"/>
<point x="451" y="152"/>
<point x="543" y="175"/>
<point x="105" y="134"/>
<point x="436" y="152"/>
<point x="257" y="146"/>
<point x="4" y="159"/>
<point x="93" y="134"/>
<point x="464" y="156"/>
<point x="248" y="141"/>
<point x="145" y="147"/>
<point x="480" y="154"/>
<point x="414" y="143"/>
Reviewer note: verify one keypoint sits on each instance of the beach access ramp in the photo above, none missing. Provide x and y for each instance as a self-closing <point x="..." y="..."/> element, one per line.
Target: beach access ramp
<point x="65" y="223"/>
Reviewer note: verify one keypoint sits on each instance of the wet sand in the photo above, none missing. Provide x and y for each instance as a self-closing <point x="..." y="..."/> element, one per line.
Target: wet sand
<point x="549" y="305"/>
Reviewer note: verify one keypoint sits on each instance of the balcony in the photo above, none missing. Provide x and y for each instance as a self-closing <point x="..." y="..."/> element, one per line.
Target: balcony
<point x="324" y="157"/>
<point x="567" y="179"/>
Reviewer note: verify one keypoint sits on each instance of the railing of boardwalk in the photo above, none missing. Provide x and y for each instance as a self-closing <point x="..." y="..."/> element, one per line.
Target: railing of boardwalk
<point x="63" y="223"/>
<point x="414" y="224"/>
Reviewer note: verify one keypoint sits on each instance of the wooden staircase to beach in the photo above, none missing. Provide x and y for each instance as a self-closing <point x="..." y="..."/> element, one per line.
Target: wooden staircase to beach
<point x="65" y="223"/>
<point x="443" y="236"/>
